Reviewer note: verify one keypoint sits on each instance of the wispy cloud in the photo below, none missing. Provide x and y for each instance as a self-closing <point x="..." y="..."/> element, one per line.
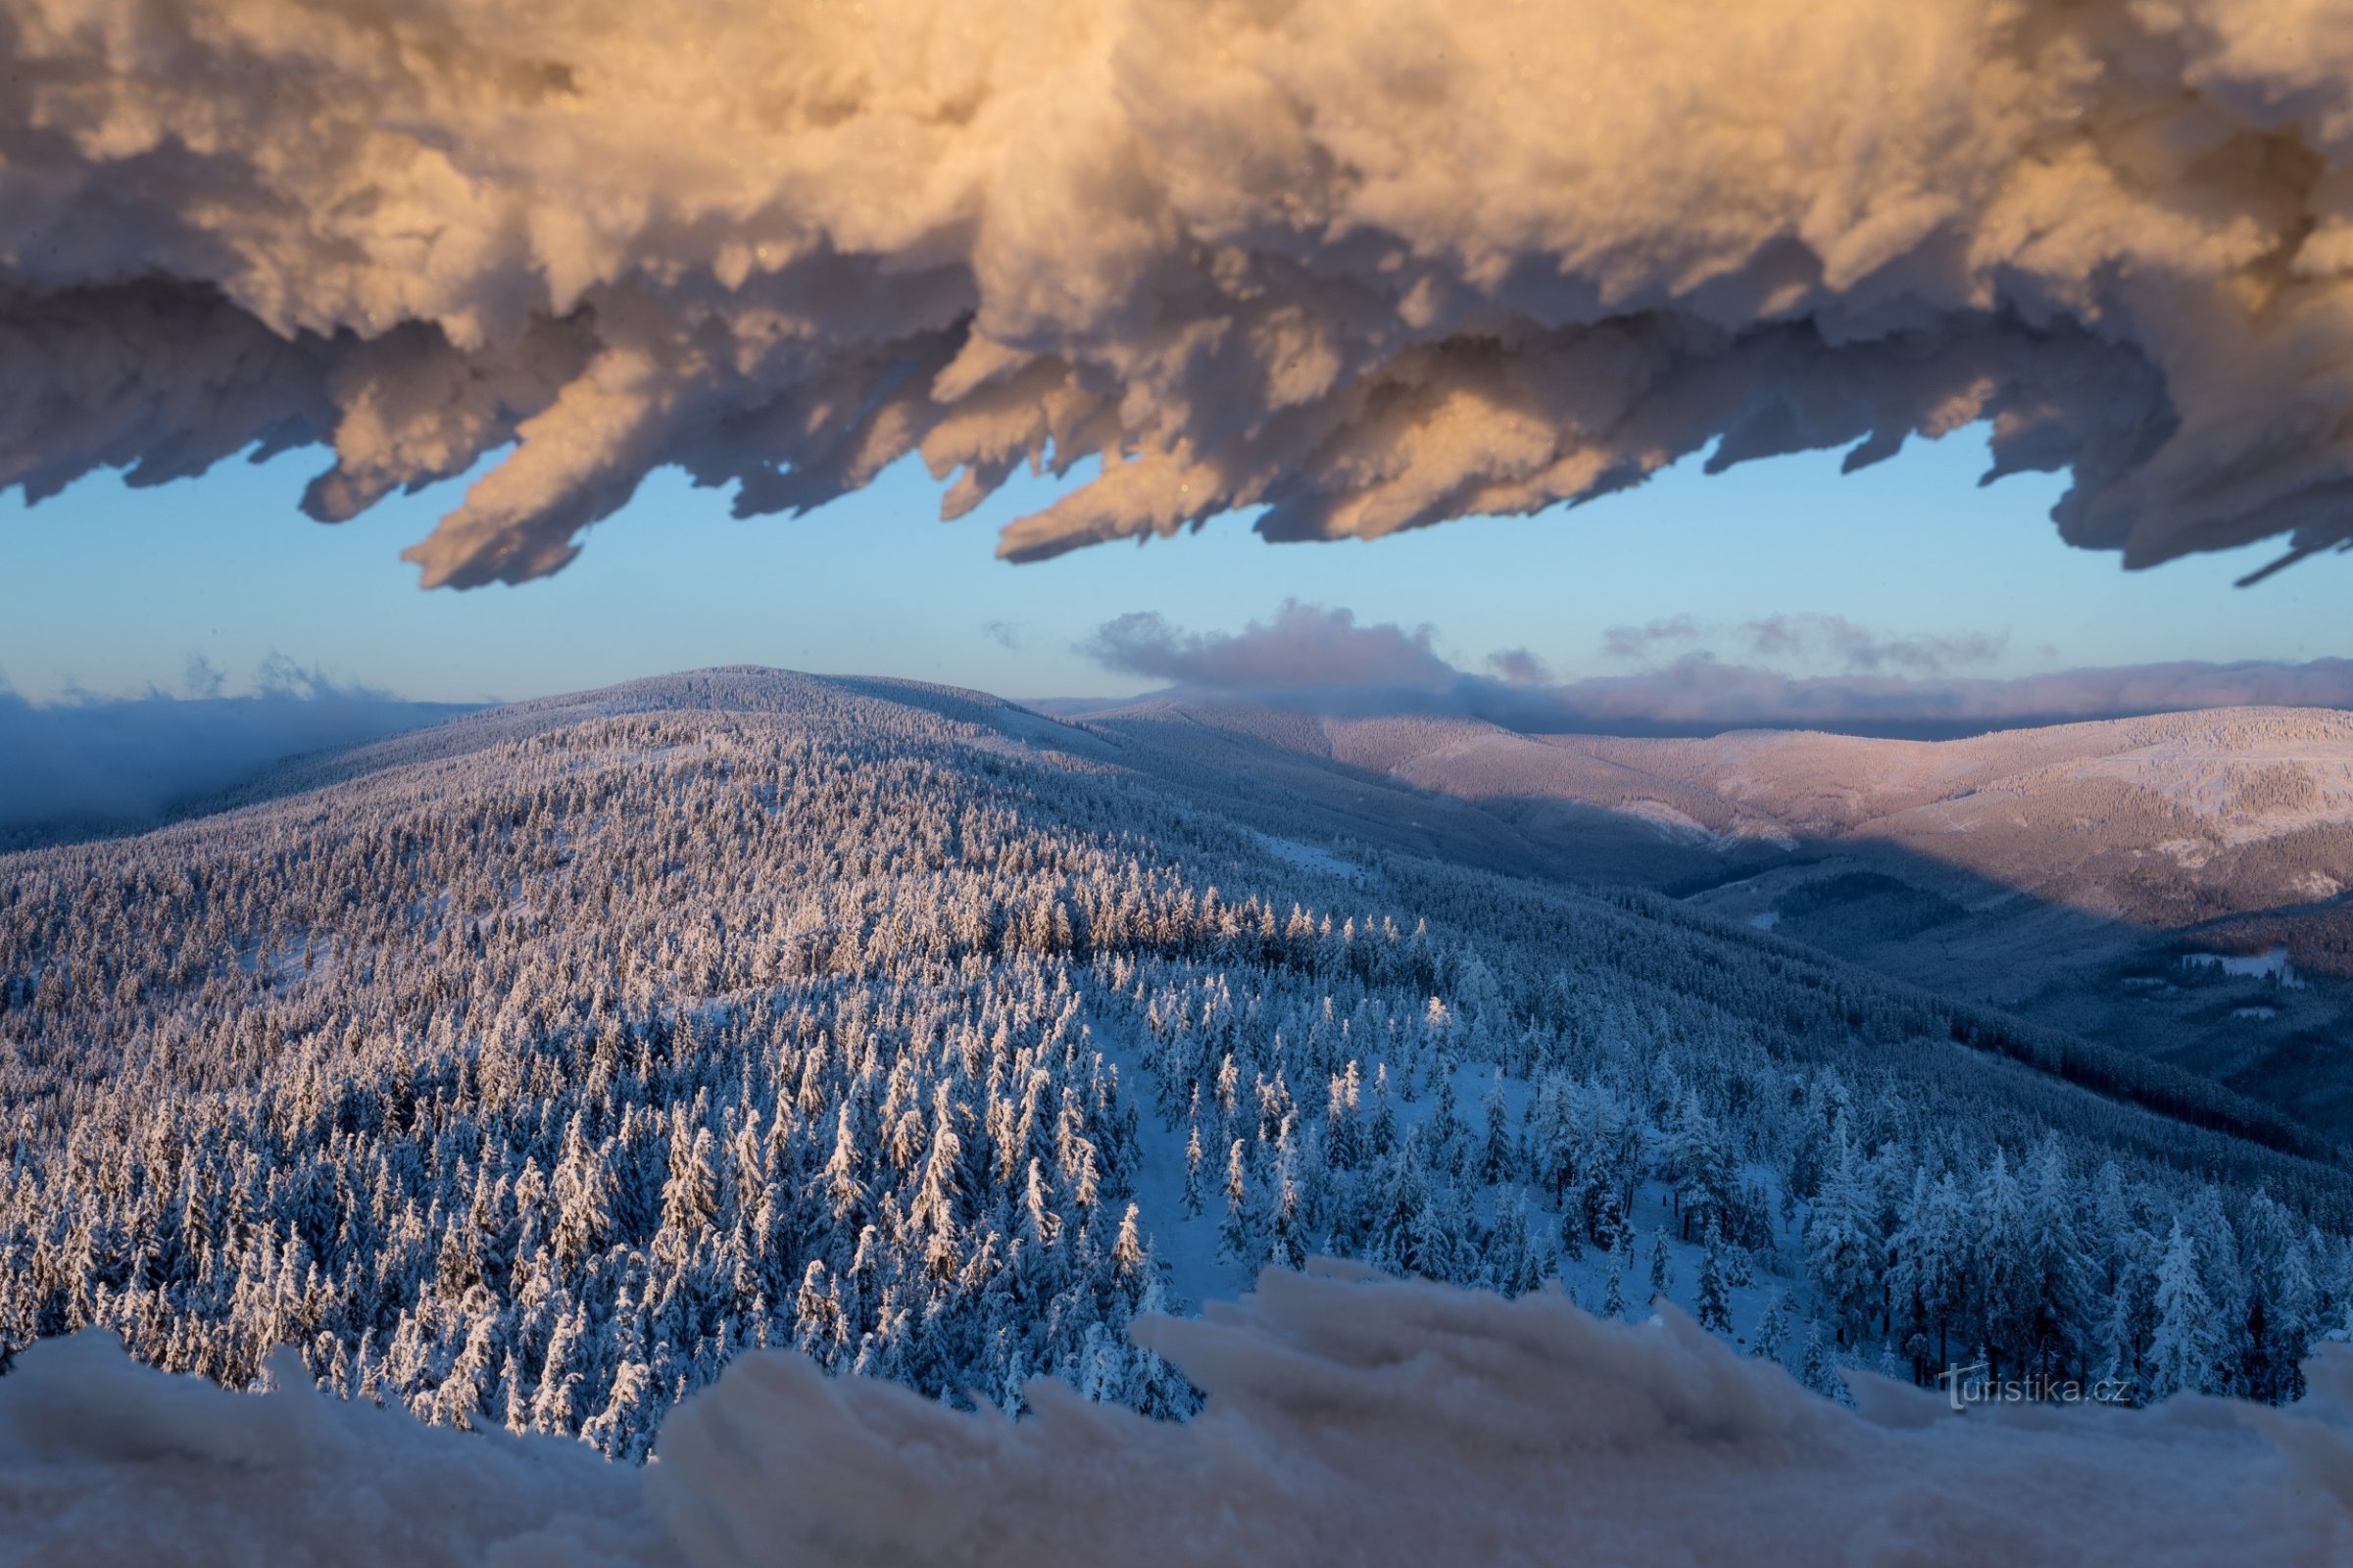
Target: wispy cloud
<point x="1859" y="649"/>
<point x="1806" y="638"/>
<point x="1644" y="641"/>
<point x="1519" y="667"/>
<point x="1312" y="657"/>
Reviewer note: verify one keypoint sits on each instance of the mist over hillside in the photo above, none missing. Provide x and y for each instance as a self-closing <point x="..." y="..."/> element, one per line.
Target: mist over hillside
<point x="525" y="1070"/>
<point x="93" y="766"/>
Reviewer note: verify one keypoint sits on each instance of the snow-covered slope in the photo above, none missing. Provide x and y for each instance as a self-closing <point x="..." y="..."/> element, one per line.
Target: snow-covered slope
<point x="1369" y="1423"/>
<point x="2163" y="821"/>
<point x="2157" y="820"/>
<point x="2059" y="871"/>
<point x="528" y="1071"/>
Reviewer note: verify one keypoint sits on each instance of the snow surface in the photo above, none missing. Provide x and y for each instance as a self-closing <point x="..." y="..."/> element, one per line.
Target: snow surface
<point x="1307" y="857"/>
<point x="1350" y="1418"/>
<point x="2271" y="963"/>
<point x="2246" y="778"/>
<point x="104" y="1461"/>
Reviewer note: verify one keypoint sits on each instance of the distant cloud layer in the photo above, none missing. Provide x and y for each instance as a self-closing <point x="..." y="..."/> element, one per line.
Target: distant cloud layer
<point x="1307" y="656"/>
<point x="98" y="763"/>
<point x="1366" y="264"/>
<point x="1811" y="637"/>
<point x="1302" y="648"/>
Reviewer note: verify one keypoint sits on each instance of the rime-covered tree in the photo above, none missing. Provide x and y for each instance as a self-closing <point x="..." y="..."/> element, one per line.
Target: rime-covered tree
<point x="2185" y="1351"/>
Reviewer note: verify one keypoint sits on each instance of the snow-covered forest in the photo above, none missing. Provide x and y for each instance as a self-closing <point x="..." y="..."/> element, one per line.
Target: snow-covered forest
<point x="524" y="1071"/>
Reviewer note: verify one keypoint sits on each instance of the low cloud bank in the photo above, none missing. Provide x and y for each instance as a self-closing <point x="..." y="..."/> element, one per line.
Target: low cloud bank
<point x="1304" y="648"/>
<point x="1325" y="660"/>
<point x="96" y="765"/>
<point x="1349" y="1419"/>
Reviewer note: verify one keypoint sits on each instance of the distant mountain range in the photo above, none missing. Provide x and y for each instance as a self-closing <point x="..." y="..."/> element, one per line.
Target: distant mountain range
<point x="2164" y="821"/>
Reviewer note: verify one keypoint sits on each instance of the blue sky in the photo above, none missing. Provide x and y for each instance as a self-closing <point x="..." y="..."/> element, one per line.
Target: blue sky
<point x="108" y="589"/>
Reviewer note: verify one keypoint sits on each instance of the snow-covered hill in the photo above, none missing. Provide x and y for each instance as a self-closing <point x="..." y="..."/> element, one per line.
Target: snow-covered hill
<point x="2158" y="819"/>
<point x="2064" y="873"/>
<point x="527" y="1070"/>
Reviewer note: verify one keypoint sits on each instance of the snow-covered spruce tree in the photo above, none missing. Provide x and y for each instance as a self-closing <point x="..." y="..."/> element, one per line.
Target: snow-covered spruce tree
<point x="2186" y="1353"/>
<point x="1713" y="1306"/>
<point x="1842" y="1239"/>
<point x="1772" y="1328"/>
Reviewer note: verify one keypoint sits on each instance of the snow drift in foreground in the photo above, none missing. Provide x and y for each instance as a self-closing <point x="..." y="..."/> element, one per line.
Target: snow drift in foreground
<point x="104" y="1461"/>
<point x="1349" y="1419"/>
<point x="1370" y="264"/>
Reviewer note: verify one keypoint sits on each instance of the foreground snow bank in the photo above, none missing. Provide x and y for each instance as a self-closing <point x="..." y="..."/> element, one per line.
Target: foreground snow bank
<point x="105" y="1461"/>
<point x="1347" y="1420"/>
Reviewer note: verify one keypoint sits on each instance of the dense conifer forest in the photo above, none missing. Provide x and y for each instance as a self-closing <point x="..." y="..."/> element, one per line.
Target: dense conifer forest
<point x="523" y="1070"/>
